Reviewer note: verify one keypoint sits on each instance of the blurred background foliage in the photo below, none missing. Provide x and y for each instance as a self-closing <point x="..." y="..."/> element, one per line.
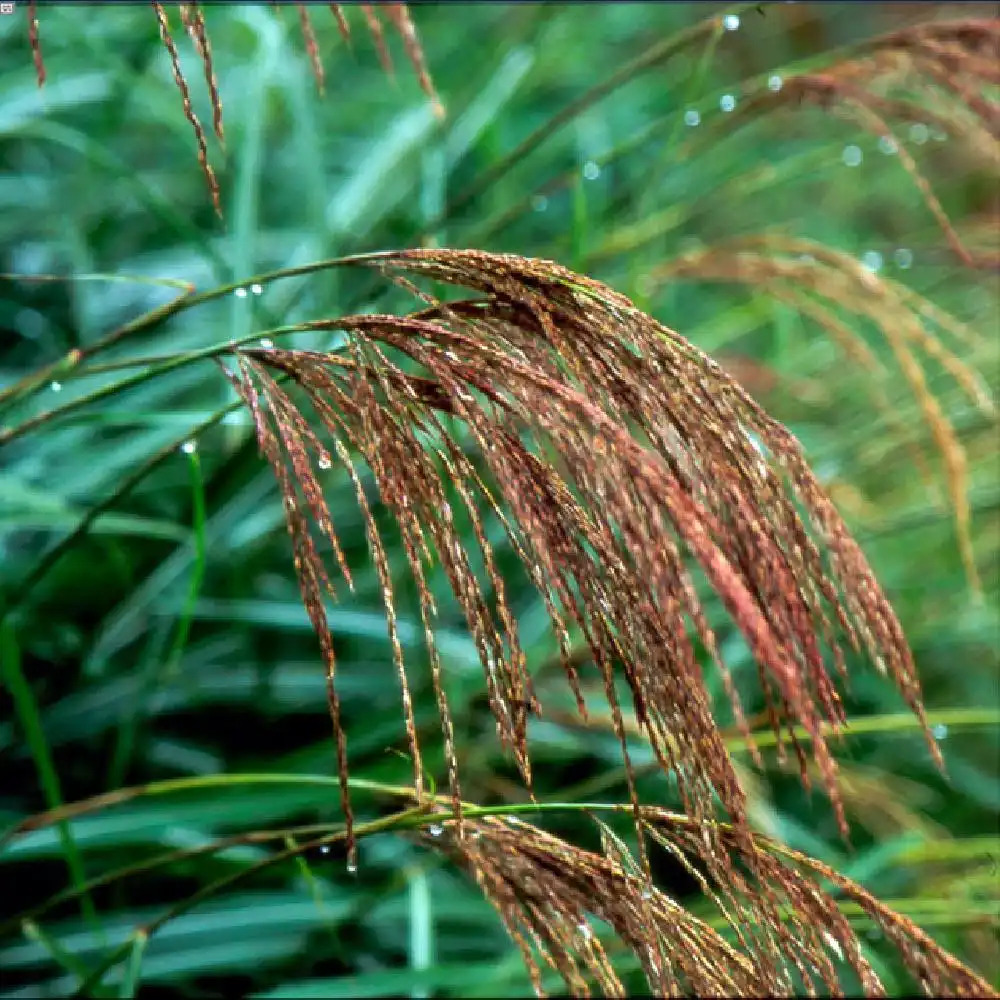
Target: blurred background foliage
<point x="170" y="641"/>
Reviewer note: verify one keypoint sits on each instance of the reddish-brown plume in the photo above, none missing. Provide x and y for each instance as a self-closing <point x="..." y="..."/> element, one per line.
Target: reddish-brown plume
<point x="936" y="76"/>
<point x="193" y="20"/>
<point x="789" y="936"/>
<point x="617" y="457"/>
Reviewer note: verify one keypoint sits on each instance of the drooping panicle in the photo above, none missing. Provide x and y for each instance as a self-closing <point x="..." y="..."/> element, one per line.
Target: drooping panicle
<point x="618" y="457"/>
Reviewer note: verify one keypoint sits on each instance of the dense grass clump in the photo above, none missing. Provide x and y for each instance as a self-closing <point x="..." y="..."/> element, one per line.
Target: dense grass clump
<point x="670" y="416"/>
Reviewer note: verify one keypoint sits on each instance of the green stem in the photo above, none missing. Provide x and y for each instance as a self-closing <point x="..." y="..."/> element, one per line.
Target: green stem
<point x="654" y="55"/>
<point x="169" y="365"/>
<point x="173" y="786"/>
<point x="66" y="364"/>
<point x="17" y="595"/>
<point x="159" y="667"/>
<point x="164" y="859"/>
<point x="206" y="891"/>
<point x="137" y="945"/>
<point x="200" y="560"/>
<point x="428" y="811"/>
<point x="955" y="717"/>
<point x="893" y="722"/>
<point x="27" y="711"/>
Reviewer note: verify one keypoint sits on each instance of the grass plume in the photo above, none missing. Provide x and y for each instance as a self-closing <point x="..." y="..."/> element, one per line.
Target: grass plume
<point x="193" y="19"/>
<point x="787" y="936"/>
<point x="620" y="451"/>
<point x="569" y="543"/>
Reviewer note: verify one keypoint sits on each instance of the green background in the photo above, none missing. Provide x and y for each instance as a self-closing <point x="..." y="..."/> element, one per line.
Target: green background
<point x="171" y="641"/>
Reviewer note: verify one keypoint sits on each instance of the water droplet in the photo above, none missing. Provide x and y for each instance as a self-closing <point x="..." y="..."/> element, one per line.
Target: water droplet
<point x="289" y="503"/>
<point x="888" y="145"/>
<point x="727" y="102"/>
<point x="257" y="289"/>
<point x="56" y="386"/>
<point x="872" y="261"/>
<point x="451" y="355"/>
<point x="731" y="22"/>
<point x="775" y="83"/>
<point x="435" y="829"/>
<point x="446" y="511"/>
<point x="755" y="442"/>
<point x="852" y="156"/>
<point x="807" y="258"/>
<point x="591" y="171"/>
<point x="267" y="343"/>
<point x="352" y="868"/>
<point x="324" y="461"/>
<point x="919" y="133"/>
<point x="539" y="202"/>
<point x="691" y="117"/>
<point x="939" y="136"/>
<point x="940" y="731"/>
<point x="240" y="293"/>
<point x="834" y="945"/>
<point x="189" y="447"/>
<point x="903" y="257"/>
<point x="585" y="932"/>
<point x="325" y="848"/>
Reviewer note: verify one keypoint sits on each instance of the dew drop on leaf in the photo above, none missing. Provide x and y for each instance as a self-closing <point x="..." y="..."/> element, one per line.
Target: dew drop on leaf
<point x="732" y="22"/>
<point x="834" y="945"/>
<point x="56" y="386"/>
<point x="691" y="117"/>
<point x="871" y="260"/>
<point x="903" y="258"/>
<point x="189" y="447"/>
<point x="727" y="102"/>
<point x="775" y="83"/>
<point x="240" y="293"/>
<point x="852" y="156"/>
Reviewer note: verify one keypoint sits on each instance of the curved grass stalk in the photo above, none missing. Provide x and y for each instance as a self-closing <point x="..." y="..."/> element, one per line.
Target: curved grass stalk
<point x="433" y="817"/>
<point x="13" y="599"/>
<point x="67" y="364"/>
<point x="656" y="54"/>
